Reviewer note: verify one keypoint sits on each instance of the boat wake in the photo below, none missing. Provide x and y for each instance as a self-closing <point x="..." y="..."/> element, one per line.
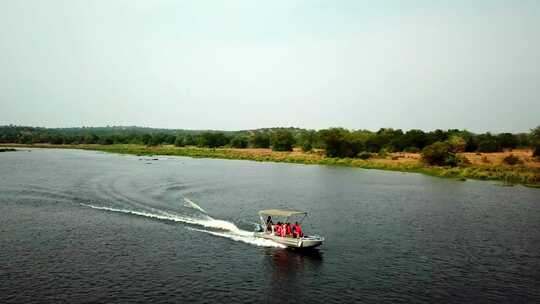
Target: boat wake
<point x="190" y="204"/>
<point x="219" y="228"/>
<point x="242" y="236"/>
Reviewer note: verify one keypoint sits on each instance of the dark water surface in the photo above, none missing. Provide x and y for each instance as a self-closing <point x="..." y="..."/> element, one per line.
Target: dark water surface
<point x="83" y="226"/>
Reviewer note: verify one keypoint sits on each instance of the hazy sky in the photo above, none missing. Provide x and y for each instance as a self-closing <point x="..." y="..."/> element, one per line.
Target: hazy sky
<point x="248" y="64"/>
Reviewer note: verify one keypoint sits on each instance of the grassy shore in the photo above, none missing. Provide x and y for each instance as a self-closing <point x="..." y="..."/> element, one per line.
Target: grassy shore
<point x="486" y="166"/>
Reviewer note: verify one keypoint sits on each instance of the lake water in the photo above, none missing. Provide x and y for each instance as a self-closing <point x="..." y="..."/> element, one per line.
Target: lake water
<point x="84" y="226"/>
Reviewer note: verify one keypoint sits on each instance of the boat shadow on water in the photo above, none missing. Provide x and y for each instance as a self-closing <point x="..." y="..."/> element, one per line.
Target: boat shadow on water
<point x="292" y="259"/>
<point x="290" y="270"/>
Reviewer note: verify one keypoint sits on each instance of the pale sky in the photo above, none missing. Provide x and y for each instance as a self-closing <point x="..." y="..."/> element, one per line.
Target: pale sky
<point x="248" y="64"/>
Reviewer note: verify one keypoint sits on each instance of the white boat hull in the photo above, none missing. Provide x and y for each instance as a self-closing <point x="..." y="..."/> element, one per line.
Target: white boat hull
<point x="303" y="242"/>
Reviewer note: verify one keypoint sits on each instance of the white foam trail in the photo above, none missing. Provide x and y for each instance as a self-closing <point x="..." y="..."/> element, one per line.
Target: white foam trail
<point x="230" y="230"/>
<point x="190" y="204"/>
<point x="208" y="222"/>
<point x="245" y="236"/>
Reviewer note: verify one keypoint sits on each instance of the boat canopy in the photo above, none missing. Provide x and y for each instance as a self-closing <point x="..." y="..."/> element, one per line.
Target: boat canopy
<point x="278" y="212"/>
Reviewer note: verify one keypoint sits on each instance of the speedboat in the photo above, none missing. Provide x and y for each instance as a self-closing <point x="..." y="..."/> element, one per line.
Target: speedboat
<point x="305" y="241"/>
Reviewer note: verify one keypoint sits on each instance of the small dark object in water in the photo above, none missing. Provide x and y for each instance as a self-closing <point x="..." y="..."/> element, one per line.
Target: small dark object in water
<point x="7" y="150"/>
<point x="155" y="158"/>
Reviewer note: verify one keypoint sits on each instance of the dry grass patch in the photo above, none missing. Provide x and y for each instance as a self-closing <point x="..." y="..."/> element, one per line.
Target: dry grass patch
<point x="496" y="158"/>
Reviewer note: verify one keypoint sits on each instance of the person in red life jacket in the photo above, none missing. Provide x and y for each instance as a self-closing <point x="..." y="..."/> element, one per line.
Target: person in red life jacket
<point x="283" y="230"/>
<point x="277" y="229"/>
<point x="289" y="230"/>
<point x="298" y="230"/>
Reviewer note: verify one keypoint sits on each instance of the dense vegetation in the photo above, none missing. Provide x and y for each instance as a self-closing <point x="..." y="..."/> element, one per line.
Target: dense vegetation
<point x="438" y="147"/>
<point x="535" y="141"/>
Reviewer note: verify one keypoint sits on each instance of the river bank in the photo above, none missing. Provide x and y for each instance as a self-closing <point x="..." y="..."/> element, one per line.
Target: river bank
<point x="484" y="166"/>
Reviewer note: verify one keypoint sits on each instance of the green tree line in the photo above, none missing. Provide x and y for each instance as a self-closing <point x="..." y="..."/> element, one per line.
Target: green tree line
<point x="337" y="142"/>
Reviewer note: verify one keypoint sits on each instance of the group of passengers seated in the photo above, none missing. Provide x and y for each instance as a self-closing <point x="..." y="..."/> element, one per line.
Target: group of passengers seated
<point x="284" y="229"/>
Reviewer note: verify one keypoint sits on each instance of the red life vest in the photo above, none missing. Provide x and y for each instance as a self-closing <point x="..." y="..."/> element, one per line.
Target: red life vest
<point x="289" y="229"/>
<point x="298" y="230"/>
